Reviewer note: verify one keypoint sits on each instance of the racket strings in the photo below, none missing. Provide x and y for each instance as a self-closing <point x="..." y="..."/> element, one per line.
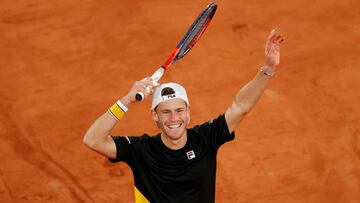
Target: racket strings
<point x="196" y="30"/>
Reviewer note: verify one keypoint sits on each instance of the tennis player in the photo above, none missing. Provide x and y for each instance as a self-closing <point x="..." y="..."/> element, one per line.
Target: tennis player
<point x="179" y="163"/>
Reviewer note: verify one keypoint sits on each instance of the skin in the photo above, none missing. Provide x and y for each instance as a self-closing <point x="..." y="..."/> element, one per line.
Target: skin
<point x="248" y="95"/>
<point x="173" y="116"/>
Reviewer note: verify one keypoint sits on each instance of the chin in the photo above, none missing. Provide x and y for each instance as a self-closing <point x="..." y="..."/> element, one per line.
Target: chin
<point x="175" y="135"/>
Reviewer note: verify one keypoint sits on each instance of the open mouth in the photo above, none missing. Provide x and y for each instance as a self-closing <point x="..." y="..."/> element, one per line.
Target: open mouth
<point x="174" y="126"/>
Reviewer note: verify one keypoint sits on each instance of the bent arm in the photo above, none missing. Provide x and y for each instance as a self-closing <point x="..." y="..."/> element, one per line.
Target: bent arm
<point x="98" y="136"/>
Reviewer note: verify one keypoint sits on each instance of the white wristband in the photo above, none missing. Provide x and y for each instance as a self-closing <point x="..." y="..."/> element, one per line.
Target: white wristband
<point x="122" y="106"/>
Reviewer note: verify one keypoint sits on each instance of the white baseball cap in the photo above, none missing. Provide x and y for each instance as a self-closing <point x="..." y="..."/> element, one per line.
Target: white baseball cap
<point x="178" y="92"/>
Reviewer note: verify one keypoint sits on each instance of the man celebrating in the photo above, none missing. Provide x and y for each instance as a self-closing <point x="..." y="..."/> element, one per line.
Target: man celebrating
<point x="179" y="163"/>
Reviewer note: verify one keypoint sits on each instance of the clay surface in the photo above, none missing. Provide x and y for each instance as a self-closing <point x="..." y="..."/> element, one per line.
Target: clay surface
<point x="63" y="63"/>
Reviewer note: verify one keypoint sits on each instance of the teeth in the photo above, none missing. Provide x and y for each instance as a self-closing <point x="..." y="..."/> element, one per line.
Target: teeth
<point x="174" y="126"/>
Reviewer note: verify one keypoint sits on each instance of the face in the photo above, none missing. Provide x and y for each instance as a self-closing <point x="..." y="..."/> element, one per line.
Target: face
<point x="172" y="117"/>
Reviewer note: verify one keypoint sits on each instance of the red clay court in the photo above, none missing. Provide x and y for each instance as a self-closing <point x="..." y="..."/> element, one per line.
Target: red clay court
<point x="63" y="63"/>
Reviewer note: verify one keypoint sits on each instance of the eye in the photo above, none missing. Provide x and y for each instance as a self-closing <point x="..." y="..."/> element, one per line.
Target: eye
<point x="165" y="112"/>
<point x="179" y="110"/>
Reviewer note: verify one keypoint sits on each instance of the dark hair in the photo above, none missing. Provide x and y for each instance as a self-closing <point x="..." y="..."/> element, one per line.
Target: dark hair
<point x="167" y="91"/>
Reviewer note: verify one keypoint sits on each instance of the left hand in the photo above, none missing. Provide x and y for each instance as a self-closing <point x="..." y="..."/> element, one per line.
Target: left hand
<point x="272" y="50"/>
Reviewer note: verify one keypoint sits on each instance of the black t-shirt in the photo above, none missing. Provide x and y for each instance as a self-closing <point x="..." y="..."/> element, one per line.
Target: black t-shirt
<point x="185" y="175"/>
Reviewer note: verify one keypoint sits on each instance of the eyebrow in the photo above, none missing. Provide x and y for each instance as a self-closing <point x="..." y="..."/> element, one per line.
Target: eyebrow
<point x="177" y="109"/>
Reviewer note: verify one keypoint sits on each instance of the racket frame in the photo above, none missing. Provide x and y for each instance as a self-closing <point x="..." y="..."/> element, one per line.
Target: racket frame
<point x="174" y="56"/>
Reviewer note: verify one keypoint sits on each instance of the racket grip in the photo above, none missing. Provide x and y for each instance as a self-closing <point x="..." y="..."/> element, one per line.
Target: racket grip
<point x="155" y="78"/>
<point x="158" y="74"/>
<point x="140" y="96"/>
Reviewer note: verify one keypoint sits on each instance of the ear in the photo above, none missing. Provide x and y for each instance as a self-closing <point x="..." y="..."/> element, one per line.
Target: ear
<point x="154" y="115"/>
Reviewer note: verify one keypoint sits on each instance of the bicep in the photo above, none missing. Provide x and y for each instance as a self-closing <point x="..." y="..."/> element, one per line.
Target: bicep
<point x="98" y="136"/>
<point x="105" y="147"/>
<point x="233" y="115"/>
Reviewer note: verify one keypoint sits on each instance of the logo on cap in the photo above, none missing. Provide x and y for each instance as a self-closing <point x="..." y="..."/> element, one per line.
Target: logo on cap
<point x="167" y="97"/>
<point x="168" y="91"/>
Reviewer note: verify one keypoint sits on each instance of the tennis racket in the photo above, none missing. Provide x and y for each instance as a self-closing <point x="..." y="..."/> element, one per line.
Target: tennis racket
<point x="189" y="40"/>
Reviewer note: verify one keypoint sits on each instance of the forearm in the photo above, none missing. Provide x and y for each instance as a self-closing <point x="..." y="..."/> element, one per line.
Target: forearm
<point x="247" y="96"/>
<point x="99" y="132"/>
<point x="245" y="99"/>
<point x="98" y="137"/>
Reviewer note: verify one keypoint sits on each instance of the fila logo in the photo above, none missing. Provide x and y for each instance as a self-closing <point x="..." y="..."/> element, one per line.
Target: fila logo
<point x="190" y="154"/>
<point x="171" y="96"/>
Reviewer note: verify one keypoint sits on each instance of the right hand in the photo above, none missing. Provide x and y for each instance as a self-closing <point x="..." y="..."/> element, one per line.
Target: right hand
<point x="146" y="86"/>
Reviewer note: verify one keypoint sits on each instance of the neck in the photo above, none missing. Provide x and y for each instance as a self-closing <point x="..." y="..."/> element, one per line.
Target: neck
<point x="174" y="144"/>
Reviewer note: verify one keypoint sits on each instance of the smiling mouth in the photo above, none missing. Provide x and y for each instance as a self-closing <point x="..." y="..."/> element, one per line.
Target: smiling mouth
<point x="174" y="126"/>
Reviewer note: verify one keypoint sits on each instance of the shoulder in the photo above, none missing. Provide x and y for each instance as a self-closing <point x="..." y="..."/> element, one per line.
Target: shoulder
<point x="219" y="120"/>
<point x="130" y="147"/>
<point x="132" y="140"/>
<point x="214" y="131"/>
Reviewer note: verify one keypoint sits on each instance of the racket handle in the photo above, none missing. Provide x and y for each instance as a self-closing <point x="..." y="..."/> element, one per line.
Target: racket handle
<point x="158" y="74"/>
<point x="154" y="78"/>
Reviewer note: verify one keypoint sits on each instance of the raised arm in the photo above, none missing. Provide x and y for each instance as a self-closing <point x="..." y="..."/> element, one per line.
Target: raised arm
<point x="251" y="92"/>
<point x="98" y="136"/>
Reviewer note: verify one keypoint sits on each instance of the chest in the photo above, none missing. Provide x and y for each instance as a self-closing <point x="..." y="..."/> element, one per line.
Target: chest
<point x="193" y="165"/>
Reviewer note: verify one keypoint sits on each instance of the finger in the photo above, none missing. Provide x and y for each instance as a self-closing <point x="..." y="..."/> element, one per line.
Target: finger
<point x="275" y="38"/>
<point x="274" y="34"/>
<point x="145" y="82"/>
<point x="274" y="45"/>
<point x="270" y="40"/>
<point x="151" y="83"/>
<point x="140" y="88"/>
<point x="155" y="84"/>
<point x="147" y="86"/>
<point x="281" y="40"/>
<point x="271" y="35"/>
<point x="149" y="90"/>
<point x="278" y="39"/>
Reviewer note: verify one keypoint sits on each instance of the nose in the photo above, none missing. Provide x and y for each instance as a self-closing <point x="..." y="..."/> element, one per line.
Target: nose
<point x="173" y="116"/>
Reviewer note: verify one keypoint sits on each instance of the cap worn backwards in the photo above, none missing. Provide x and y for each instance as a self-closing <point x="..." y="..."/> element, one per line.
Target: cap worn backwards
<point x="168" y="91"/>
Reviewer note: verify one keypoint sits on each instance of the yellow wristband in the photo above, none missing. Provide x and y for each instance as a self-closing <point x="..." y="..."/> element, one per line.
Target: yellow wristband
<point x="118" y="110"/>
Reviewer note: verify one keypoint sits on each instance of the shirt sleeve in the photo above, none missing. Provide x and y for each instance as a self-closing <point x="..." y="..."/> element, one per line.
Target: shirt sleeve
<point x="126" y="148"/>
<point x="215" y="131"/>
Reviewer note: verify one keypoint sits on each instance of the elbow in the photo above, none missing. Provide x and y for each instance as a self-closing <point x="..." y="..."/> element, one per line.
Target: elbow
<point x="85" y="141"/>
<point x="88" y="141"/>
<point x="246" y="111"/>
<point x="95" y="141"/>
<point x="242" y="108"/>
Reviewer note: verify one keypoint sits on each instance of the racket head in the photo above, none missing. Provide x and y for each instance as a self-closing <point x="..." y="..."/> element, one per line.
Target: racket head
<point x="193" y="34"/>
